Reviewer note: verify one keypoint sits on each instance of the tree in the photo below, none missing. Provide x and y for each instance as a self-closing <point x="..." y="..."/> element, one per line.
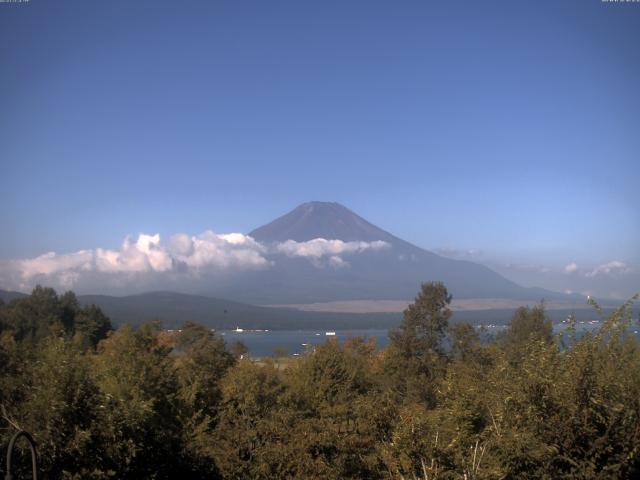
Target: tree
<point x="253" y="435"/>
<point x="465" y="342"/>
<point x="34" y="317"/>
<point x="152" y="404"/>
<point x="238" y="349"/>
<point x="425" y="322"/>
<point x="141" y="427"/>
<point x="200" y="368"/>
<point x="334" y="390"/>
<point x="91" y="325"/>
<point x="44" y="313"/>
<point x="61" y="408"/>
<point x="69" y="307"/>
<point x="204" y="363"/>
<point x="527" y="325"/>
<point x="416" y="358"/>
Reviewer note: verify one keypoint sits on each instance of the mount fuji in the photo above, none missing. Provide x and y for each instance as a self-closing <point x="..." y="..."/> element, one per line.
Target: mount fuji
<point x="392" y="272"/>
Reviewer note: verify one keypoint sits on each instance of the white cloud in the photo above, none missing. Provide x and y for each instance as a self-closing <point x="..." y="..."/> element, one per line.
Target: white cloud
<point x="610" y="268"/>
<point x="220" y="251"/>
<point x="181" y="244"/>
<point x="321" y="247"/>
<point x="51" y="263"/>
<point x="144" y="255"/>
<point x="571" y="268"/>
<point x="147" y="254"/>
<point x="337" y="262"/>
<point x="181" y="254"/>
<point x="319" y="250"/>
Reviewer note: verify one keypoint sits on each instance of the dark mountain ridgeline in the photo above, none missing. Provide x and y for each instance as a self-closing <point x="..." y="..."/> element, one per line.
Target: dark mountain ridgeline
<point x="174" y="308"/>
<point x="6" y="296"/>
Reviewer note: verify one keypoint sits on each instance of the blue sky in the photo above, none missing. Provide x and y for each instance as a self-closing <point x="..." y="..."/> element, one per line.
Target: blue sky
<point x="510" y="128"/>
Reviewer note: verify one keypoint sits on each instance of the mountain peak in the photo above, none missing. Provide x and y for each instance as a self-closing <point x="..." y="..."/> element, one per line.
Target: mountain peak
<point x="329" y="220"/>
<point x="322" y="208"/>
<point x="320" y="204"/>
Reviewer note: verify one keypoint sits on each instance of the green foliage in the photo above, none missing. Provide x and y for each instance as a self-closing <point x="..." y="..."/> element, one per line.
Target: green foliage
<point x="527" y="325"/>
<point x="415" y="359"/>
<point x="61" y="404"/>
<point x="91" y="325"/>
<point x="36" y="316"/>
<point x="44" y="313"/>
<point x="199" y="369"/>
<point x="465" y="342"/>
<point x="251" y="440"/>
<point x="134" y="372"/>
<point x="425" y="322"/>
<point x="148" y="403"/>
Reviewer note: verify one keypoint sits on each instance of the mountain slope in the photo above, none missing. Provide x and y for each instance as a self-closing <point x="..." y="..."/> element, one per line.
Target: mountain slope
<point x="328" y="220"/>
<point x="392" y="273"/>
<point x="345" y="271"/>
<point x="6" y="296"/>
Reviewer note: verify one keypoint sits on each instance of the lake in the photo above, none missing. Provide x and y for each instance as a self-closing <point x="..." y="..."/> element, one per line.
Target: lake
<point x="263" y="343"/>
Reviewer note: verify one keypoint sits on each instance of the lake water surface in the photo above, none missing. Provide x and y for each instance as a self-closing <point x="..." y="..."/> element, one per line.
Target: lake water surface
<point x="263" y="343"/>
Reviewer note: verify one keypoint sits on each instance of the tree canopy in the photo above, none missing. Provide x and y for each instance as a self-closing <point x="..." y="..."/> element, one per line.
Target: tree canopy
<point x="437" y="403"/>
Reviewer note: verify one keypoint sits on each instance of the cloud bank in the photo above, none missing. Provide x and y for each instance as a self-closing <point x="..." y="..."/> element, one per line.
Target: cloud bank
<point x="608" y="280"/>
<point x="571" y="268"/>
<point x="318" y="249"/>
<point x="614" y="267"/>
<point x="610" y="268"/>
<point x="182" y="254"/>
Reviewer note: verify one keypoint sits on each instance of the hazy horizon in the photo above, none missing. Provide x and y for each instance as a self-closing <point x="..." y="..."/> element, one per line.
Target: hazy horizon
<point x="186" y="263"/>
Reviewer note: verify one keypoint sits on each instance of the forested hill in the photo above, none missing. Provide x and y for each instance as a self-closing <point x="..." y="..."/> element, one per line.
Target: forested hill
<point x="174" y="308"/>
<point x="7" y="296"/>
